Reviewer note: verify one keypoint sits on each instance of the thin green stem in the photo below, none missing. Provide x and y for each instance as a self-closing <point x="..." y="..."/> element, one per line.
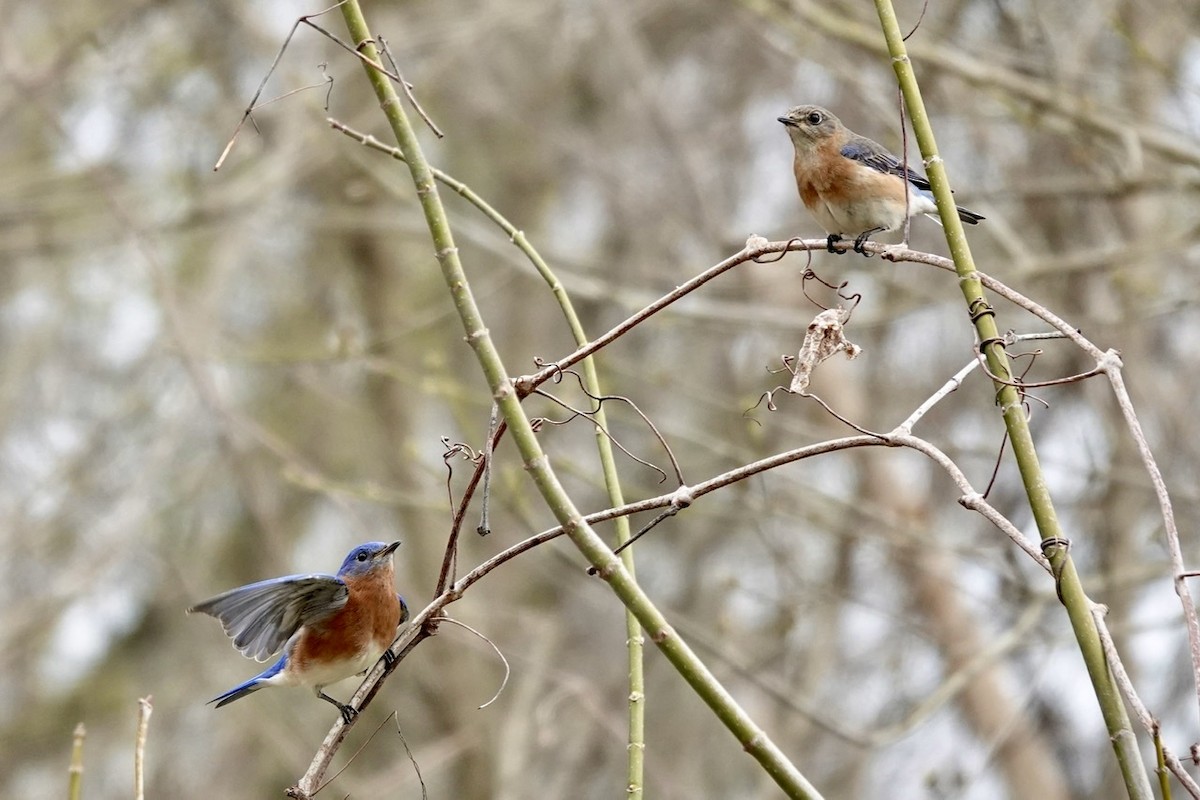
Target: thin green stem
<point x="753" y="739"/>
<point x="75" y="771"/>
<point x="1070" y="589"/>
<point x="616" y="498"/>
<point x="1164" y="779"/>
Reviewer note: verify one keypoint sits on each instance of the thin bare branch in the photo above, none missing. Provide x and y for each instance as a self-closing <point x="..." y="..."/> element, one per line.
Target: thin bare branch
<point x="246" y="115"/>
<point x="407" y="88"/>
<point x="361" y="747"/>
<point x="576" y="413"/>
<point x="1175" y="551"/>
<point x="1121" y="676"/>
<point x="499" y="654"/>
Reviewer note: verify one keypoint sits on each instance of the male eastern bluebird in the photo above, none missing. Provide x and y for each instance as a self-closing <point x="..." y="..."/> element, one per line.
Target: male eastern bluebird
<point x="852" y="185"/>
<point x="329" y="627"/>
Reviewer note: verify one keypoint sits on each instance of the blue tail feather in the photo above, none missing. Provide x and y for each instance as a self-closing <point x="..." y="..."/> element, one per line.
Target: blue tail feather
<point x="252" y="685"/>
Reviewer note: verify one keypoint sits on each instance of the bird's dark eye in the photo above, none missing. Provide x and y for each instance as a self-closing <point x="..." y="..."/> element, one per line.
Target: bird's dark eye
<point x="362" y="555"/>
<point x="814" y="118"/>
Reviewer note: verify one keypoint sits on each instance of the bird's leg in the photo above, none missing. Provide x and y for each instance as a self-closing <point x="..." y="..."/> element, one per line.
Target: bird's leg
<point x="348" y="712"/>
<point x="862" y="239"/>
<point x="389" y="658"/>
<point x="831" y="240"/>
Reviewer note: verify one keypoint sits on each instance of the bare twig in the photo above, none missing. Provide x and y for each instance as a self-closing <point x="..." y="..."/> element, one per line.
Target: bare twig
<point x="357" y="752"/>
<point x="460" y="514"/>
<point x="246" y="115"/>
<point x="579" y="412"/>
<point x="1023" y="385"/>
<point x="407" y="88"/>
<point x="412" y="760"/>
<point x="485" y="525"/>
<point x="452" y="449"/>
<point x="679" y="500"/>
<point x="499" y="654"/>
<point x="1175" y="551"/>
<point x="1168" y="759"/>
<point x="971" y="499"/>
<point x="145" y="708"/>
<point x="393" y="74"/>
<point x="947" y="389"/>
<point x="600" y="399"/>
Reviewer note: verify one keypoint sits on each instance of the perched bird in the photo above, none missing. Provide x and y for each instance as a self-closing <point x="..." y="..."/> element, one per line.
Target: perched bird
<point x="329" y="626"/>
<point x="852" y="185"/>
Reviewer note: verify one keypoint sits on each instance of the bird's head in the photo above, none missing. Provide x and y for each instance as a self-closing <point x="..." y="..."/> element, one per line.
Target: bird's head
<point x="808" y="125"/>
<point x="368" y="557"/>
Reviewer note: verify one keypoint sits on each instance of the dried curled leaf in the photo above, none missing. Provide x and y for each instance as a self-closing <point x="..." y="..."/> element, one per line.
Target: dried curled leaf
<point x="825" y="337"/>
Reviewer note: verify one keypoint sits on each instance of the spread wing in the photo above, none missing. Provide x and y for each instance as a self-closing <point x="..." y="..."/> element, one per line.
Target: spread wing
<point x="262" y="616"/>
<point x="874" y="156"/>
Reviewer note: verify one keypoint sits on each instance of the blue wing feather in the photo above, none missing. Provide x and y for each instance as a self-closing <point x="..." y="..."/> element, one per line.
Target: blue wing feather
<point x="252" y="685"/>
<point x="865" y="151"/>
<point x="262" y="616"/>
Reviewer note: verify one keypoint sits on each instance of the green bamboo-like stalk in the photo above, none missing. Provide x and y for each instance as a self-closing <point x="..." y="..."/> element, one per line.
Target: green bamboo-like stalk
<point x="75" y="771"/>
<point x="610" y="567"/>
<point x="633" y="630"/>
<point x="1070" y="589"/>
<point x="616" y="498"/>
<point x="1164" y="777"/>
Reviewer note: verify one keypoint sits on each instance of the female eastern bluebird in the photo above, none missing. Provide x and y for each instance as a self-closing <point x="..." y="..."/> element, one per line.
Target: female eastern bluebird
<point x="329" y="627"/>
<point x="852" y="185"/>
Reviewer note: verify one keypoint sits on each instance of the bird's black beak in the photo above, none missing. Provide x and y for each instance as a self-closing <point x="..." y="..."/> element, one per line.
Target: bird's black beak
<point x="387" y="551"/>
<point x="791" y="123"/>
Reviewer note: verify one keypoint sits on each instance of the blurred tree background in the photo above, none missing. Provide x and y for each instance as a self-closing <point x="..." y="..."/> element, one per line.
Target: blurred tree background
<point x="209" y="379"/>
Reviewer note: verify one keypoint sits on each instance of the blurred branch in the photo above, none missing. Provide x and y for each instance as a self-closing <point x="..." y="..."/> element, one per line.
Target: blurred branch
<point x="880" y="733"/>
<point x="801" y="18"/>
<point x="1064" y="187"/>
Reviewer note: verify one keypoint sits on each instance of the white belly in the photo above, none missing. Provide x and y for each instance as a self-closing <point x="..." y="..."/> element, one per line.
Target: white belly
<point x="851" y="219"/>
<point x="319" y="675"/>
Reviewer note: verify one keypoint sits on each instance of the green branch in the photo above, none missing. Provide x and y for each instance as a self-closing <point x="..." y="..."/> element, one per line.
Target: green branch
<point x="753" y="739"/>
<point x="1054" y="544"/>
<point x="616" y="498"/>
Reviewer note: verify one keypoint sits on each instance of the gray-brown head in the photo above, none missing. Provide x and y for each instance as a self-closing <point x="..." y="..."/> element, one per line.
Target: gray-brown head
<point x="808" y="125"/>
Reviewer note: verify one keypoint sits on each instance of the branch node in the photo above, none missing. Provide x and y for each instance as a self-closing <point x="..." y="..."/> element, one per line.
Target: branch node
<point x="1048" y="545"/>
<point x="1110" y="361"/>
<point x="682" y="497"/>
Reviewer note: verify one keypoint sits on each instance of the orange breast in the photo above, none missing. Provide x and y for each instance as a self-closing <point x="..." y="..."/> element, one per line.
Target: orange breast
<point x="367" y="622"/>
